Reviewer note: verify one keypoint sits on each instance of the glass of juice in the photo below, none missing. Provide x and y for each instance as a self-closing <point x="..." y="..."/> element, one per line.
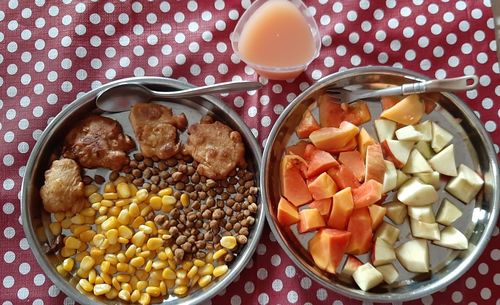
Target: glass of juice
<point x="277" y="38"/>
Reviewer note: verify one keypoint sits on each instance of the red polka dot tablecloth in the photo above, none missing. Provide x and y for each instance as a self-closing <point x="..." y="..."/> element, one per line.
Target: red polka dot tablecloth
<point x="53" y="51"/>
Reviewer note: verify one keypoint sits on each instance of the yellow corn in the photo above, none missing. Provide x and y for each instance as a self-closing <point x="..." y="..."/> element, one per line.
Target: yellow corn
<point x="110" y="196"/>
<point x="205" y="280"/>
<point x="82" y="273"/>
<point x="112" y="294"/>
<point x="87" y="263"/>
<point x="68" y="264"/>
<point x="60" y="270"/>
<point x="114" y="211"/>
<point x="194" y="280"/>
<point x="168" y="200"/>
<point x="133" y="189"/>
<point x="77" y="219"/>
<point x="145" y="299"/>
<point x="172" y="264"/>
<point x="122" y="258"/>
<point x="123" y="278"/>
<point x="209" y="258"/>
<point x="207" y="269"/>
<point x="228" y="242"/>
<point x="92" y="276"/>
<point x="184" y="200"/>
<point x="105" y="266"/>
<point x="98" y="240"/>
<point x="59" y="216"/>
<point x="106" y="278"/>
<point x="141" y="195"/>
<point x="192" y="272"/>
<point x="181" y="274"/>
<point x="122" y="202"/>
<point x="139" y="238"/>
<point x="123" y="190"/>
<point x="198" y="262"/>
<point x="125" y="232"/>
<point x="163" y="288"/>
<point x="168" y="274"/>
<point x="96" y="205"/>
<point x="99" y="220"/>
<point x="131" y="250"/>
<point x="87" y="212"/>
<point x="220" y="270"/>
<point x="138" y="221"/>
<point x="101" y="289"/>
<point x="111" y="258"/>
<point x="119" y="180"/>
<point x="86" y="285"/>
<point x="116" y="284"/>
<point x="145" y="254"/>
<point x="180" y="290"/>
<point x="137" y="261"/>
<point x="146" y="229"/>
<point x="133" y="210"/>
<point x="153" y="291"/>
<point x="149" y="265"/>
<point x="170" y="283"/>
<point x="66" y="223"/>
<point x="124" y="217"/>
<point x="186" y="265"/>
<point x="109" y="188"/>
<point x="122" y="267"/>
<point x="146" y="210"/>
<point x="169" y="253"/>
<point x="67" y="252"/>
<point x="78" y="229"/>
<point x="154" y="243"/>
<point x="162" y="255"/>
<point x="127" y="287"/>
<point x="81" y="255"/>
<point x="124" y="295"/>
<point x="155" y="202"/>
<point x="134" y="297"/>
<point x="87" y="236"/>
<point x="99" y="280"/>
<point x="182" y="282"/>
<point x="96" y="252"/>
<point x="220" y="253"/>
<point x="90" y="189"/>
<point x="103" y="210"/>
<point x="110" y="223"/>
<point x="166" y="191"/>
<point x="112" y="236"/>
<point x="141" y="285"/>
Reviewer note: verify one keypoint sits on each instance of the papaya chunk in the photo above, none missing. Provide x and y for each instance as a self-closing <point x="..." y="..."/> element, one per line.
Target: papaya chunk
<point x="293" y="185"/>
<point x="307" y="125"/>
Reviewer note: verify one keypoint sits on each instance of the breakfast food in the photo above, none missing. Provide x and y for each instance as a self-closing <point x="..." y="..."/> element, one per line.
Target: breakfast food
<point x="335" y="181"/>
<point x="63" y="187"/>
<point x="216" y="147"/>
<point x="155" y="127"/>
<point x="98" y="141"/>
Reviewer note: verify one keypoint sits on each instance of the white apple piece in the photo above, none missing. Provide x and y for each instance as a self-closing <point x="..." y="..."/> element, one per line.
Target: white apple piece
<point x="401" y="178"/>
<point x="383" y="253"/>
<point x="387" y="232"/>
<point x="397" y="151"/>
<point x="414" y="255"/>
<point x="465" y="185"/>
<point x="390" y="177"/>
<point x="367" y="277"/>
<point x="425" y="129"/>
<point x="440" y="137"/>
<point x="431" y="178"/>
<point x="444" y="161"/>
<point x="389" y="273"/>
<point x="416" y="193"/>
<point x="408" y="133"/>
<point x="396" y="211"/>
<point x="422" y="213"/>
<point x="447" y="213"/>
<point x="416" y="163"/>
<point x="420" y="229"/>
<point x="453" y="239"/>
<point x="385" y="129"/>
<point x="425" y="149"/>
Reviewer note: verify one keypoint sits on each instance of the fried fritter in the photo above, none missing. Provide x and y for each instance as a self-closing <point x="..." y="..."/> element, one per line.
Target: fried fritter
<point x="155" y="128"/>
<point x="98" y="141"/>
<point x="63" y="189"/>
<point x="216" y="147"/>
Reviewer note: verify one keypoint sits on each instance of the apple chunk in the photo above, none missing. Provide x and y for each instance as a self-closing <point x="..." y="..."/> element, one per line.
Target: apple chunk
<point x="432" y="178"/>
<point x="414" y="255"/>
<point x="367" y="277"/>
<point x="383" y="253"/>
<point x="420" y="229"/>
<point x="385" y="129"/>
<point x="440" y="137"/>
<point x="387" y="232"/>
<point x="389" y="273"/>
<point x="425" y="129"/>
<point x="397" y="152"/>
<point x="350" y="266"/>
<point x="416" y="163"/>
<point x="448" y="213"/>
<point x="465" y="185"/>
<point x="390" y="177"/>
<point x="396" y="211"/>
<point x="444" y="162"/>
<point x="401" y="178"/>
<point x="409" y="133"/>
<point x="416" y="193"/>
<point x="422" y="213"/>
<point x="453" y="239"/>
<point x="425" y="149"/>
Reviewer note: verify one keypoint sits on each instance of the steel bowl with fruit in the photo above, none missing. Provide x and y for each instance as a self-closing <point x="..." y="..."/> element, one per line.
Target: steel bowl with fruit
<point x="384" y="200"/>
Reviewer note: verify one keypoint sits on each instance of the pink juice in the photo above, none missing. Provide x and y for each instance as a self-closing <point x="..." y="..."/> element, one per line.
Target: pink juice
<point x="277" y="40"/>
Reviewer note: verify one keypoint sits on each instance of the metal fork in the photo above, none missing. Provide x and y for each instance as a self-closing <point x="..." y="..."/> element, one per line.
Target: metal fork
<point x="467" y="82"/>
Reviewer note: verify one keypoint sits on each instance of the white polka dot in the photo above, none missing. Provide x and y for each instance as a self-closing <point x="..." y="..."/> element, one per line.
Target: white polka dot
<point x="207" y="36"/>
<point x="262" y="273"/>
<point x="263" y="299"/>
<point x="464" y="25"/>
<point x="8" y="281"/>
<point x="249" y="287"/>
<point x="482" y="58"/>
<point x="9" y="232"/>
<point x="355" y="61"/>
<point x="24" y="268"/>
<point x="476" y="13"/>
<point x="393" y="23"/>
<point x="451" y="38"/>
<point x="457" y="297"/>
<point x="366" y="26"/>
<point x="382" y="57"/>
<point x="53" y="291"/>
<point x="277" y="285"/>
<point x="490" y="126"/>
<point x="292" y="296"/>
<point x="378" y="14"/>
<point x="470" y="283"/>
<point x="9" y="257"/>
<point x="485" y="293"/>
<point x="483" y="268"/>
<point x="290" y="271"/>
<point x="321" y="294"/>
<point x="326" y="40"/>
<point x="220" y="25"/>
<point x="438" y="51"/>
<point x="337" y="7"/>
<point x="39" y="279"/>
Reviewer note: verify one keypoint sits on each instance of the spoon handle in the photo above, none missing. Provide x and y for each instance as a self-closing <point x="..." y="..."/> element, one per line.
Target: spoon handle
<point x="215" y="88"/>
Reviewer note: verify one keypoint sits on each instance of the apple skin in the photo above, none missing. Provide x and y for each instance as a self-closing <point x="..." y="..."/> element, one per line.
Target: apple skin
<point x="367" y="277"/>
<point x="414" y="255"/>
<point x="416" y="193"/>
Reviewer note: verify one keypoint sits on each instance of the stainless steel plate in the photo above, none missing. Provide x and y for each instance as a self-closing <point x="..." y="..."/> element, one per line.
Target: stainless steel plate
<point x="49" y="144"/>
<point x="473" y="148"/>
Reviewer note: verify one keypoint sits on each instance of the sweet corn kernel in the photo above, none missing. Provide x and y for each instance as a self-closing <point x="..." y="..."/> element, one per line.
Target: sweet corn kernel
<point x="87" y="263"/>
<point x="103" y="210"/>
<point x="116" y="284"/>
<point x="81" y="255"/>
<point x="123" y="190"/>
<point x="98" y="240"/>
<point x="181" y="274"/>
<point x="112" y="236"/>
<point x="162" y="255"/>
<point x="168" y="274"/>
<point x="60" y="270"/>
<point x="137" y="261"/>
<point x="83" y="247"/>
<point x="123" y="278"/>
<point x="127" y="287"/>
<point x="141" y="285"/>
<point x="146" y="229"/>
<point x="114" y="211"/>
<point x="122" y="202"/>
<point x="160" y="265"/>
<point x="101" y="289"/>
<point x="131" y="250"/>
<point x="67" y="252"/>
<point x="205" y="280"/>
<point x="68" y="264"/>
<point x="123" y="240"/>
<point x="180" y="290"/>
<point x="87" y="212"/>
<point x="185" y="200"/>
<point x="154" y="243"/>
<point x="146" y="210"/>
<point x="220" y="253"/>
<point x="138" y="221"/>
<point x="89" y="220"/>
<point x="96" y="205"/>
<point x="122" y="258"/>
<point x="220" y="270"/>
<point x="209" y="258"/>
<point x="133" y="210"/>
<point x="163" y="288"/>
<point x="107" y="203"/>
<point x="110" y="223"/>
<point x="155" y="202"/>
<point x="169" y="253"/>
<point x="168" y="200"/>
<point x="145" y="299"/>
<point x="78" y="229"/>
<point x="125" y="232"/>
<point x="166" y="191"/>
<point x="134" y="297"/>
<point x="77" y="219"/>
<point x="192" y="272"/>
<point x="99" y="280"/>
<point x="59" y="216"/>
<point x="228" y="242"/>
<point x="90" y="189"/>
<point x="110" y="196"/>
<point x="99" y="220"/>
<point x="96" y="252"/>
<point x="120" y="179"/>
<point x="149" y="265"/>
<point x="198" y="262"/>
<point x="55" y="228"/>
<point x="153" y="291"/>
<point x="124" y="295"/>
<point x="139" y="238"/>
<point x="111" y="258"/>
<point x="122" y="267"/>
<point x="66" y="223"/>
<point x="87" y="236"/>
<point x="141" y="195"/>
<point x="112" y="294"/>
<point x="170" y="283"/>
<point x="86" y="285"/>
<point x="105" y="266"/>
<point x="124" y="217"/>
<point x="82" y="273"/>
<point x="92" y="276"/>
<point x="194" y="280"/>
<point x="109" y="187"/>
<point x="106" y="278"/>
<point x="172" y="264"/>
<point x="145" y="254"/>
<point x="207" y="269"/>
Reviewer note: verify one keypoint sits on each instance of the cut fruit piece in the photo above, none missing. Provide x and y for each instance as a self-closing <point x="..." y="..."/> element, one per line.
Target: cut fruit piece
<point x="397" y="152"/>
<point x="322" y="187"/>
<point x="327" y="248"/>
<point x="453" y="239"/>
<point x="324" y="206"/>
<point x="348" y="147"/>
<point x="318" y="161"/>
<point x="307" y="125"/>
<point x="293" y="185"/>
<point x="422" y="213"/>
<point x="342" y="206"/>
<point x="310" y="220"/>
<point x="287" y="213"/>
<point x="416" y="163"/>
<point x="377" y="214"/>
<point x="383" y="253"/>
<point x="401" y="178"/>
<point x="415" y="193"/>
<point x="385" y="129"/>
<point x="360" y="225"/>
<point x="444" y="162"/>
<point x="390" y="177"/>
<point x="367" y="277"/>
<point x="298" y="149"/>
<point x="448" y="213"/>
<point x="389" y="101"/>
<point x="466" y="184"/>
<point x="343" y="177"/>
<point x="352" y="263"/>
<point x="364" y="140"/>
<point x="368" y="193"/>
<point x="408" y="111"/>
<point x="332" y="138"/>
<point x="332" y="112"/>
<point x="387" y="232"/>
<point x="354" y="161"/>
<point x="409" y="133"/>
<point x="396" y="211"/>
<point x="375" y="166"/>
<point x="414" y="255"/>
<point x="440" y="137"/>
<point x="430" y="178"/>
<point x="425" y="149"/>
<point x="425" y="128"/>
<point x="389" y="273"/>
<point x="420" y="229"/>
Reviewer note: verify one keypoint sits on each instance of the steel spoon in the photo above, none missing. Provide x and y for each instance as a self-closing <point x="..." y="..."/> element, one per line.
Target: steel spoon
<point x="121" y="97"/>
